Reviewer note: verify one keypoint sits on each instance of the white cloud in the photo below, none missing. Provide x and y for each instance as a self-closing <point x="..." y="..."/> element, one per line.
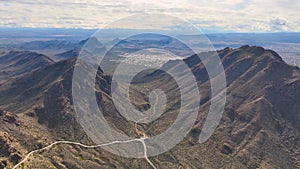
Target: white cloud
<point x="228" y="15"/>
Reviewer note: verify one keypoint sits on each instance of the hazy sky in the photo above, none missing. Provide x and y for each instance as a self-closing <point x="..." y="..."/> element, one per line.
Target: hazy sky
<point x="230" y="15"/>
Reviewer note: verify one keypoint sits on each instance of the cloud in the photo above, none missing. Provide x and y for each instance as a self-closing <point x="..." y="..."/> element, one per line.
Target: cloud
<point x="278" y="24"/>
<point x="278" y="21"/>
<point x="227" y="15"/>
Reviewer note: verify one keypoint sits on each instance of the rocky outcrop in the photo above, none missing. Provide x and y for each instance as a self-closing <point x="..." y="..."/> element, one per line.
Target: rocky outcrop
<point x="9" y="117"/>
<point x="9" y="149"/>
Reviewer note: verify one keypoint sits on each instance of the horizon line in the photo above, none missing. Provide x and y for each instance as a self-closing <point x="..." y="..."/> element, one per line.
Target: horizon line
<point x="206" y="31"/>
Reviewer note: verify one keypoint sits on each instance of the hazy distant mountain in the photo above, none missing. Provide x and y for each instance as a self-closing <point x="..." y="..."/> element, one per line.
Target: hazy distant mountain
<point x="52" y="44"/>
<point x="14" y="63"/>
<point x="259" y="128"/>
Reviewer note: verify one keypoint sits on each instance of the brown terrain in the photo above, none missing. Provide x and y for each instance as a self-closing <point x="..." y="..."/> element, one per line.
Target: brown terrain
<point x="15" y="63"/>
<point x="259" y="128"/>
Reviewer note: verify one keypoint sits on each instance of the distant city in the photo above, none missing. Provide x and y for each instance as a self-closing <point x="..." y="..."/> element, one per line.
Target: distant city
<point x="287" y="45"/>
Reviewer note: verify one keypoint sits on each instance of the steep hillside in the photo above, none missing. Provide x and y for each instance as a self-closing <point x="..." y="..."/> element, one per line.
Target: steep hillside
<point x="15" y="63"/>
<point x="74" y="53"/>
<point x="259" y="128"/>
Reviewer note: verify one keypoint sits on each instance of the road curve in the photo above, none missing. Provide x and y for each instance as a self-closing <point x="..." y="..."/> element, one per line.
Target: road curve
<point x="86" y="146"/>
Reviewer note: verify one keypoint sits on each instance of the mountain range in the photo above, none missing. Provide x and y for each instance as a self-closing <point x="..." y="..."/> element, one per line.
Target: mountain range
<point x="259" y="128"/>
<point x="16" y="63"/>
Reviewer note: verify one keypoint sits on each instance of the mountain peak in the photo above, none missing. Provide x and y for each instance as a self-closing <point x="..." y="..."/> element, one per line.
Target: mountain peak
<point x="16" y="63"/>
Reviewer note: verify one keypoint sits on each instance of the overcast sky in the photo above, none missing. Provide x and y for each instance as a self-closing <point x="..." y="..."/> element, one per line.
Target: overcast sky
<point x="224" y="16"/>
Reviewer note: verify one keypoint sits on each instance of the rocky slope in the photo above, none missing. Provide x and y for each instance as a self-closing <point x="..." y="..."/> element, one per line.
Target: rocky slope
<point x="16" y="63"/>
<point x="259" y="127"/>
